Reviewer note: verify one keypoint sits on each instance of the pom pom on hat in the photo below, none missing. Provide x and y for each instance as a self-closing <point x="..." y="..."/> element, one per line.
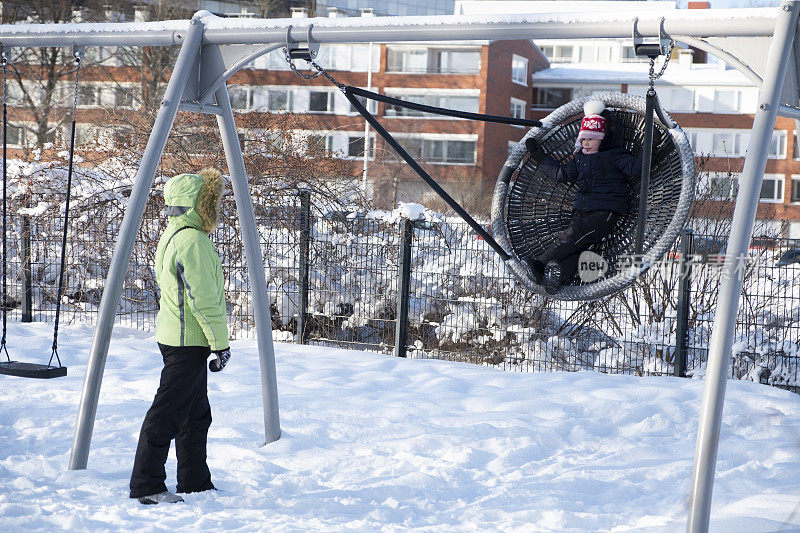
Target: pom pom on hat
<point x="593" y="107"/>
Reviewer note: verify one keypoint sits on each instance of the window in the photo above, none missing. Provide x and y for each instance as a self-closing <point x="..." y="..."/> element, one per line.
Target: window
<point x="467" y="103"/>
<point x="795" y="147"/>
<point x="517" y="108"/>
<point x="15" y="94"/>
<point x="273" y="141"/>
<point x="726" y="144"/>
<point x="727" y="101"/>
<point x="629" y="56"/>
<point x="562" y="54"/>
<point x="433" y="60"/>
<point x="772" y="188"/>
<point x="320" y="102"/>
<point x="277" y="60"/>
<point x="121" y="136"/>
<point x="795" y="189"/>
<point x="439" y="150"/>
<point x="355" y="146"/>
<point x="681" y="99"/>
<point x="279" y="99"/>
<point x="777" y="145"/>
<point x="123" y="96"/>
<point x="519" y="69"/>
<point x="551" y="97"/>
<point x="88" y="95"/>
<point x="548" y="50"/>
<point x="359" y="58"/>
<point x="456" y="151"/>
<point x="456" y="61"/>
<point x="320" y="143"/>
<point x="240" y="97"/>
<point x="407" y="60"/>
<point x="722" y="186"/>
<point x="16" y="136"/>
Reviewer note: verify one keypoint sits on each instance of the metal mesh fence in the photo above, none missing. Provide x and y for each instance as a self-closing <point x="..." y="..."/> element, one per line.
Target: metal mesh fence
<point x="463" y="304"/>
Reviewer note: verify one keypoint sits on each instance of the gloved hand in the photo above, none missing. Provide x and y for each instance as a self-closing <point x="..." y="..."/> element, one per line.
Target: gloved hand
<point x="222" y="357"/>
<point x="534" y="146"/>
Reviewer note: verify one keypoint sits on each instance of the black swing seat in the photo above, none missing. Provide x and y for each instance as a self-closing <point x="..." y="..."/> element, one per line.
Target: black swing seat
<point x="31" y="370"/>
<point x="530" y="209"/>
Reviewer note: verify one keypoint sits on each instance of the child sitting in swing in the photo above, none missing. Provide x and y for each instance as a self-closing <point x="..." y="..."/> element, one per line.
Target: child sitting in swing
<point x="601" y="168"/>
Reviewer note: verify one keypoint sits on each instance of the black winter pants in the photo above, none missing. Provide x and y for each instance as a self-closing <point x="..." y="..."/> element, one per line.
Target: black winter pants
<point x="585" y="229"/>
<point x="180" y="411"/>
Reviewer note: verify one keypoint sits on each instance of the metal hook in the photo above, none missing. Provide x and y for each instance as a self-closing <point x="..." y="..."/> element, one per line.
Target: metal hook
<point x="77" y="52"/>
<point x="651" y="50"/>
<point x="5" y="54"/>
<point x="299" y="50"/>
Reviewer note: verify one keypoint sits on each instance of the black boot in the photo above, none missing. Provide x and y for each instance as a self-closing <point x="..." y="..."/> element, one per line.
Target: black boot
<point x="552" y="277"/>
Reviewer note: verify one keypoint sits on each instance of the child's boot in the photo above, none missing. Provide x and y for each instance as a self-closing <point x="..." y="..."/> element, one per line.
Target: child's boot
<point x="552" y="277"/>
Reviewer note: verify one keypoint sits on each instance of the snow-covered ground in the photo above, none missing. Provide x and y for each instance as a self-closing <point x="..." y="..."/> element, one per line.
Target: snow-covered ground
<point x="371" y="443"/>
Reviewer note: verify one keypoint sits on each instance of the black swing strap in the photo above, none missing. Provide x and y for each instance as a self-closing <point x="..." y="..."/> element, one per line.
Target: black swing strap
<point x="651" y="105"/>
<point x="441" y="111"/>
<point x="77" y="53"/>
<point x="4" y="60"/>
<point x="480" y="230"/>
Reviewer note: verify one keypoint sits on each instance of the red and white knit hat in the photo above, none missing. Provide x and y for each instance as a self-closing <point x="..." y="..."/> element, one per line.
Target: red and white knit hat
<point x="593" y="125"/>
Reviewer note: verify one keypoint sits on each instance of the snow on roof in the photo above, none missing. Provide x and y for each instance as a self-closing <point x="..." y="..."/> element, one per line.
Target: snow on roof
<point x="486" y="7"/>
<point x="637" y="73"/>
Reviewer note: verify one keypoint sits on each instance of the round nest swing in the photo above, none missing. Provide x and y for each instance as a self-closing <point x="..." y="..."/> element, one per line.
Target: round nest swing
<point x="530" y="209"/>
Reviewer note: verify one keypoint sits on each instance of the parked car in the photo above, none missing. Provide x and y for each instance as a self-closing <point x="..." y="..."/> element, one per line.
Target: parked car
<point x="767" y="243"/>
<point x="789" y="257"/>
<point x="706" y="249"/>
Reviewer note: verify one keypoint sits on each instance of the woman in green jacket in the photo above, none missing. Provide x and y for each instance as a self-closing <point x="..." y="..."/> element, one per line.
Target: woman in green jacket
<point x="191" y="325"/>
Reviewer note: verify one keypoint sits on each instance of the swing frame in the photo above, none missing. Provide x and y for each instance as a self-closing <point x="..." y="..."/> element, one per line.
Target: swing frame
<point x="20" y="368"/>
<point x="213" y="49"/>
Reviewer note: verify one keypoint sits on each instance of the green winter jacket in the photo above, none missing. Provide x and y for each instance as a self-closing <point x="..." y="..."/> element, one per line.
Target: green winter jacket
<point x="188" y="270"/>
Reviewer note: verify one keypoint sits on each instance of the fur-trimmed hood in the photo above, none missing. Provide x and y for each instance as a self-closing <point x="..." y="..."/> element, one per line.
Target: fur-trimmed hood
<point x="194" y="199"/>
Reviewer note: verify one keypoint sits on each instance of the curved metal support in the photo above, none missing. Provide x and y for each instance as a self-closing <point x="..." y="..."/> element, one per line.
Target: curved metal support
<point x="233" y="69"/>
<point x="719" y="53"/>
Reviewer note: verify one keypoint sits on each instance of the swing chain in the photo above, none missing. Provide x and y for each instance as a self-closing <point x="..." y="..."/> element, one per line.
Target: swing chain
<point x="313" y="75"/>
<point x="77" y="54"/>
<point x="4" y="62"/>
<point x="296" y="70"/>
<point x="652" y="75"/>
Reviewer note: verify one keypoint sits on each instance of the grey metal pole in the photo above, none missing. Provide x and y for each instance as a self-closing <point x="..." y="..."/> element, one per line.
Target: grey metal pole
<point x="255" y="266"/>
<point x="725" y="318"/>
<point x="710" y="23"/>
<point x="187" y="58"/>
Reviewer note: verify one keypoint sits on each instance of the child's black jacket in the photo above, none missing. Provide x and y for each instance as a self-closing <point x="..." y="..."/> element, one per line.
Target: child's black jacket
<point x="602" y="178"/>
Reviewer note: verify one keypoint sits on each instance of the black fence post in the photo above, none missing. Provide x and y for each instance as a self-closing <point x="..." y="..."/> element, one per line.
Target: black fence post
<point x="401" y="330"/>
<point x="684" y="295"/>
<point x="305" y="240"/>
<point x="25" y="264"/>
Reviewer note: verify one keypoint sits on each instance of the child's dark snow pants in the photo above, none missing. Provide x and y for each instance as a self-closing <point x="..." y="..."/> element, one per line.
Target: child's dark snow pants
<point x="585" y="229"/>
<point x="180" y="411"/>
